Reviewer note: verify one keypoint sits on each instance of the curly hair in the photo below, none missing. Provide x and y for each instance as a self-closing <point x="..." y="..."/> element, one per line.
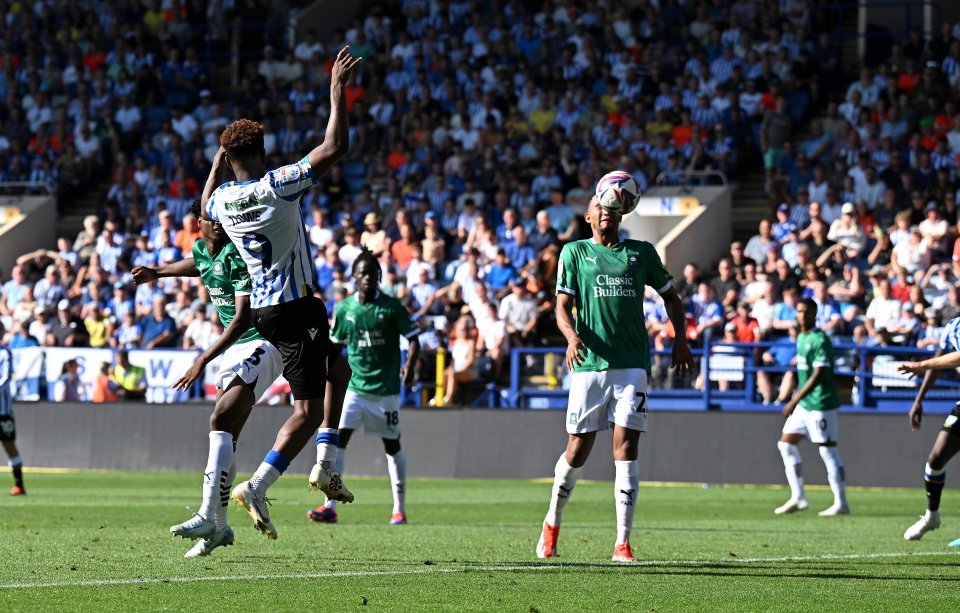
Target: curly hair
<point x="243" y="138"/>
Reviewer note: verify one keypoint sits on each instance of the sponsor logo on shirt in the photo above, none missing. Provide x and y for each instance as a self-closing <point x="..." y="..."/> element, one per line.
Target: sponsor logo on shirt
<point x="610" y="286"/>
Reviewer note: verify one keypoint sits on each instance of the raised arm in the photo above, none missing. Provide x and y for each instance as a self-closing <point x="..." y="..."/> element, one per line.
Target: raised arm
<point x="336" y="141"/>
<point x="219" y="173"/>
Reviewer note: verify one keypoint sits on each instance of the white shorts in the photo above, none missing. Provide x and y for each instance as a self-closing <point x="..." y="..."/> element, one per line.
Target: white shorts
<point x="379" y="415"/>
<point x="598" y="399"/>
<point x="819" y="426"/>
<point x="255" y="362"/>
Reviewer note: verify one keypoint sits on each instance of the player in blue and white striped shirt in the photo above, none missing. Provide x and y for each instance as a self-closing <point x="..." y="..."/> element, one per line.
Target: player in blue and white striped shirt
<point x="260" y="213"/>
<point x="948" y="440"/>
<point x="8" y="427"/>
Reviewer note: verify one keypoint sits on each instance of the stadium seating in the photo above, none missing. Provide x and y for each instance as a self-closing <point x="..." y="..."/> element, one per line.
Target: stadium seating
<point x="518" y="111"/>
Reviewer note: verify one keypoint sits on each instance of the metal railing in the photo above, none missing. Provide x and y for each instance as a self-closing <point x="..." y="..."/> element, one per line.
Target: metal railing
<point x="866" y="377"/>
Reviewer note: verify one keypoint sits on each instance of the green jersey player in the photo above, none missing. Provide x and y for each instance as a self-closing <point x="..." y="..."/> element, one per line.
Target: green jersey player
<point x="371" y="324"/>
<point x="609" y="354"/>
<point x="249" y="366"/>
<point x="812" y="412"/>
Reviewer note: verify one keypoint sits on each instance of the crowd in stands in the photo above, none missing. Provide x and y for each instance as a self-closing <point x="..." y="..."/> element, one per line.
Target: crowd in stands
<point x="477" y="133"/>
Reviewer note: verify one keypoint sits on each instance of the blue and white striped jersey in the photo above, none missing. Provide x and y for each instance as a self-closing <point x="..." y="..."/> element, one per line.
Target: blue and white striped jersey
<point x="6" y="382"/>
<point x="262" y="218"/>
<point x="950" y="339"/>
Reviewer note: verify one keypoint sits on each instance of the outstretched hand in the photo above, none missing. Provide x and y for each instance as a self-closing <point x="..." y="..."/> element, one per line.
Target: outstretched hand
<point x="343" y="67"/>
<point x="912" y="369"/>
<point x="190" y="377"/>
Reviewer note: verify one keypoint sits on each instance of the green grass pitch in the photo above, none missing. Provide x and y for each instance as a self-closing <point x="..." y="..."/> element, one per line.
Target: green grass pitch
<point x="99" y="542"/>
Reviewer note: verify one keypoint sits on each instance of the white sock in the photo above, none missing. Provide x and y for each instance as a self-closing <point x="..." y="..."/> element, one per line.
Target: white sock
<point x="793" y="467"/>
<point x="626" y="485"/>
<point x="221" y="517"/>
<point x="341" y="461"/>
<point x="835" y="474"/>
<point x="328" y="441"/>
<point x="264" y="477"/>
<point x="219" y="460"/>
<point x="564" y="478"/>
<point x="397" y="467"/>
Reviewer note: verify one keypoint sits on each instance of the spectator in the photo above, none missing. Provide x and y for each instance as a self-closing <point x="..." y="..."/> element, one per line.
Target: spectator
<point x="67" y="330"/>
<point x="785" y="312"/>
<point x="500" y="273"/>
<point x="159" y="329"/>
<point x="104" y="389"/>
<point x="13" y="291"/>
<point x="98" y="324"/>
<point x="725" y="285"/>
<point x="847" y="230"/>
<point x="758" y="247"/>
<point x="130" y="334"/>
<point x="68" y="387"/>
<point x="707" y="314"/>
<point x="374" y="237"/>
<point x="463" y="359"/>
<point x="520" y="313"/>
<point x="882" y="311"/>
<point x="128" y="381"/>
<point x="912" y="255"/>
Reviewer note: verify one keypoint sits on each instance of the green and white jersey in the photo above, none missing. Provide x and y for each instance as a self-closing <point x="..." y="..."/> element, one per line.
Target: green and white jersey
<point x="372" y="334"/>
<point x="607" y="284"/>
<point x="814" y="350"/>
<point x="225" y="276"/>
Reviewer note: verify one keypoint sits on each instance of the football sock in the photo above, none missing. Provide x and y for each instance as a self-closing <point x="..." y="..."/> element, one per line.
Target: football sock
<point x="327" y="441"/>
<point x="219" y="459"/>
<point x="270" y="469"/>
<point x="793" y="467"/>
<point x="220" y="521"/>
<point x="16" y="465"/>
<point x="626" y="485"/>
<point x="397" y="467"/>
<point x="831" y="458"/>
<point x="341" y="463"/>
<point x="933" y="479"/>
<point x="564" y="478"/>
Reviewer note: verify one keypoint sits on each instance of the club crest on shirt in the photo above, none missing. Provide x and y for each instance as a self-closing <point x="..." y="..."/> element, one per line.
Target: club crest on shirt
<point x="632" y="260"/>
<point x="218" y="268"/>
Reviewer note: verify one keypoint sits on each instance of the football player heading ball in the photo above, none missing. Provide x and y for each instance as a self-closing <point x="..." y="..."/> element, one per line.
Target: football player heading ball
<point x="618" y="192"/>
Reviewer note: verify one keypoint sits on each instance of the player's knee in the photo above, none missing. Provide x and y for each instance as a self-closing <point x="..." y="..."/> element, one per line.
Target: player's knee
<point x="935" y="460"/>
<point x="391" y="446"/>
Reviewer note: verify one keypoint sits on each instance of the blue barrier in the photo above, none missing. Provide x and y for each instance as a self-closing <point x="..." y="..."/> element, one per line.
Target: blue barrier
<point x="866" y="377"/>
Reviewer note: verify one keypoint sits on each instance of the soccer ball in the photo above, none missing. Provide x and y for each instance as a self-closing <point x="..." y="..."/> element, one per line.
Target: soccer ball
<point x="618" y="192"/>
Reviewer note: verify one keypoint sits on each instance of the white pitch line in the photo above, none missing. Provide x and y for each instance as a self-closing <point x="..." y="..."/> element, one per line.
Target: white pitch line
<point x="469" y="569"/>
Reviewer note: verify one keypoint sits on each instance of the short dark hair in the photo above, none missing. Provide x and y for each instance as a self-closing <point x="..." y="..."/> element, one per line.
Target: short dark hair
<point x="195" y="207"/>
<point x="810" y="303"/>
<point x="365" y="256"/>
